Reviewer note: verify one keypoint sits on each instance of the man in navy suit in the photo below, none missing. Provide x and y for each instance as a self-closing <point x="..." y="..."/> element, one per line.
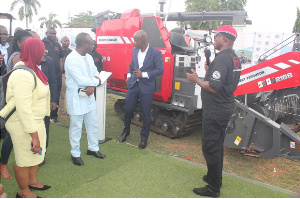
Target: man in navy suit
<point x="146" y="64"/>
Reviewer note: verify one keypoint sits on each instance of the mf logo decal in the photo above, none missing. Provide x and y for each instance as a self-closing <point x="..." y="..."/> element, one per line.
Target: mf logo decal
<point x="216" y="75"/>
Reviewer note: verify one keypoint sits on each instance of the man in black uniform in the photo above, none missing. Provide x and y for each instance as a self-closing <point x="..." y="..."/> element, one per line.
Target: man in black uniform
<point x="217" y="89"/>
<point x="56" y="53"/>
<point x="97" y="58"/>
<point x="97" y="61"/>
<point x="65" y="43"/>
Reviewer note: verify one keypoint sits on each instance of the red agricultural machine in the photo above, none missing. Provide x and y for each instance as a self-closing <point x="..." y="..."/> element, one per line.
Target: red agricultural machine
<point x="263" y="126"/>
<point x="177" y="102"/>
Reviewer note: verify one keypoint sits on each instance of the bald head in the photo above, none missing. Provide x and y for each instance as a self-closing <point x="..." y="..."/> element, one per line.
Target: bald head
<point x="84" y="43"/>
<point x="65" y="42"/>
<point x="51" y="34"/>
<point x="140" y="40"/>
<point x="140" y="34"/>
<point x="3" y="35"/>
<point x="34" y="35"/>
<point x="3" y="28"/>
<point x="64" y="38"/>
<point x="17" y="29"/>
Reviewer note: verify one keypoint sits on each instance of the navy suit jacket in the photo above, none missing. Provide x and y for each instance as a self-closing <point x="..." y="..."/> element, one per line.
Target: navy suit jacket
<point x="153" y="65"/>
<point x="49" y="70"/>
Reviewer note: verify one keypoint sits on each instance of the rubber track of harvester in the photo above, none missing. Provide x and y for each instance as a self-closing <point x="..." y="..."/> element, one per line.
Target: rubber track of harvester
<point x="185" y="123"/>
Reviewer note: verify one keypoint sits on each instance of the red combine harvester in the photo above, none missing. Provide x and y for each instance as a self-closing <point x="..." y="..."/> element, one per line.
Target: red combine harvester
<point x="177" y="102"/>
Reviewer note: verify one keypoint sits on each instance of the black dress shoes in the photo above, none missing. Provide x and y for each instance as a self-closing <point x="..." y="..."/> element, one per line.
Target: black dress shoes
<point x="77" y="161"/>
<point x="97" y="154"/>
<point x="123" y="137"/>
<point x="205" y="191"/>
<point x="143" y="144"/>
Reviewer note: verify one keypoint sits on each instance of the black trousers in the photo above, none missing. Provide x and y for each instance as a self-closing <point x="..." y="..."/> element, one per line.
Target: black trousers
<point x="53" y="113"/>
<point x="47" y="125"/>
<point x="7" y="147"/>
<point x="132" y="97"/>
<point x="213" y="133"/>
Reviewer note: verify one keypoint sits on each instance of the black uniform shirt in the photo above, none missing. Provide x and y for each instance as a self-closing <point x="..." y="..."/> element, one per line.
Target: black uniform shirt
<point x="98" y="61"/>
<point x="223" y="75"/>
<point x="66" y="52"/>
<point x="48" y="69"/>
<point x="55" y="52"/>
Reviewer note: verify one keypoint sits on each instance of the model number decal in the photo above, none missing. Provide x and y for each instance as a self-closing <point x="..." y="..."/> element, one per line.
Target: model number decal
<point x="274" y="80"/>
<point x="284" y="77"/>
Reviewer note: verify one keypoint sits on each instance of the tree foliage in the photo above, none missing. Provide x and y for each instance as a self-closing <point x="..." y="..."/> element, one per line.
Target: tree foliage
<point x="26" y="10"/>
<point x="296" y="28"/>
<point x="212" y="5"/>
<point x="51" y="22"/>
<point x="82" y="20"/>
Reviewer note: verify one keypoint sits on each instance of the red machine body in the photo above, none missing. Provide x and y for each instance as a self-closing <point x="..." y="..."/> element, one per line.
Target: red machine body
<point x="275" y="74"/>
<point x="261" y="127"/>
<point x="175" y="111"/>
<point x="115" y="41"/>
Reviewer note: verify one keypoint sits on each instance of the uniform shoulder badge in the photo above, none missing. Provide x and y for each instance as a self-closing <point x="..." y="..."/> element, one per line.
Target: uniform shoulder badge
<point x="216" y="75"/>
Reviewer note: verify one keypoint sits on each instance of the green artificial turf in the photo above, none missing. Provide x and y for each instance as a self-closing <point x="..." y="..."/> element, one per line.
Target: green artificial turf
<point x="127" y="172"/>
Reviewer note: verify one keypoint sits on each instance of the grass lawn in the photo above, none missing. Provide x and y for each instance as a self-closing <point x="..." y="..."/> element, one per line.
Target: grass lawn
<point x="126" y="172"/>
<point x="133" y="173"/>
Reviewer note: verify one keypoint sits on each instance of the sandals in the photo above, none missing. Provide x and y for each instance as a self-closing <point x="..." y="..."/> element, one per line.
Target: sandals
<point x="5" y="172"/>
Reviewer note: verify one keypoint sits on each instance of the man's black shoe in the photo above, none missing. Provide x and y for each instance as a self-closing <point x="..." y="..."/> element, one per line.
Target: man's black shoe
<point x="205" y="178"/>
<point x="205" y="191"/>
<point x="123" y="137"/>
<point x="97" y="154"/>
<point x="143" y="144"/>
<point x="77" y="161"/>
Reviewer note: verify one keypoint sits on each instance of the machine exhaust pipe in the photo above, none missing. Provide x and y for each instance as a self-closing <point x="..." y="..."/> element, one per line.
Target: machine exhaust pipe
<point x="162" y="3"/>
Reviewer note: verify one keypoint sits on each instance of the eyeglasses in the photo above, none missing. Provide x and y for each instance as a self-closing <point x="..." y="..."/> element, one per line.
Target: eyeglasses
<point x="91" y="43"/>
<point x="3" y="34"/>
